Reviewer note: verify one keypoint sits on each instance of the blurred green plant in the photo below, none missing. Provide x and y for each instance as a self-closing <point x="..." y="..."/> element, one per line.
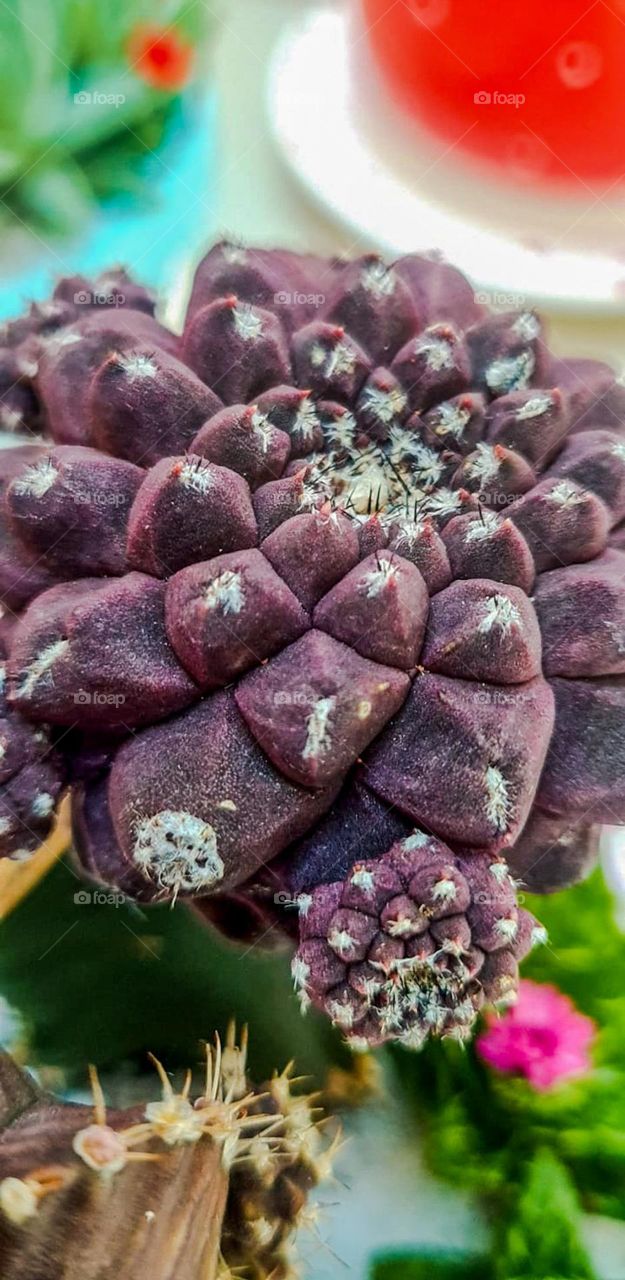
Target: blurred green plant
<point x="103" y="983"/>
<point x="481" y="1127"/>
<point x="535" y="1159"/>
<point x="89" y="90"/>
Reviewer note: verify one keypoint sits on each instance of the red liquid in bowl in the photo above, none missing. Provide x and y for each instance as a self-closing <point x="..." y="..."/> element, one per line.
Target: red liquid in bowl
<point x="537" y="89"/>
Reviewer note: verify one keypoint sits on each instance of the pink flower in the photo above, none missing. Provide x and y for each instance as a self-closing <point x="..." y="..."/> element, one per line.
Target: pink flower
<point x="542" y="1037"/>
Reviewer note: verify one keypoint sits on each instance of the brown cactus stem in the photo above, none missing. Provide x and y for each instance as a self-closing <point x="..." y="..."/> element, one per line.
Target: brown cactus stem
<point x="158" y="1217"/>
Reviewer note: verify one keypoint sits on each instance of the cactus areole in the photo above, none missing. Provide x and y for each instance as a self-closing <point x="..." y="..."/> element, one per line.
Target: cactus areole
<point x="320" y="604"/>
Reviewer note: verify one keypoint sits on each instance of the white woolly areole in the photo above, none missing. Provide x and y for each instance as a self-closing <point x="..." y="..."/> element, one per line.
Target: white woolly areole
<point x="137" y="366"/>
<point x="507" y="927"/>
<point x="510" y="373"/>
<point x="451" y="420"/>
<point x="234" y="254"/>
<point x="527" y="326"/>
<point x="3" y="676"/>
<point x="417" y="840"/>
<point x="195" y="475"/>
<point x="247" y="322"/>
<point x="318" y="729"/>
<point x="444" y="502"/>
<point x="262" y="429"/>
<point x="376" y="580"/>
<point x="42" y="666"/>
<point x="305" y="421"/>
<point x="225" y="592"/>
<point x="300" y="972"/>
<point x="42" y="805"/>
<point x="565" y="492"/>
<point x="498" y="803"/>
<point x="485" y="464"/>
<point x="36" y="479"/>
<point x="438" y="353"/>
<point x="18" y="1200"/>
<point x="341" y="434"/>
<point x="333" y="360"/>
<point x="618" y="451"/>
<point x="362" y="878"/>
<point x="534" y="408"/>
<point x="341" y="941"/>
<point x="178" y="850"/>
<point x="499" y="611"/>
<point x="379" y="280"/>
<point x="385" y="405"/>
<point x="487" y="523"/>
<point x="444" y="890"/>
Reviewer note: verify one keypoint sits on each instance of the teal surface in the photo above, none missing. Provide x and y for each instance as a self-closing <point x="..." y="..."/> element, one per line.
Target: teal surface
<point x="150" y="236"/>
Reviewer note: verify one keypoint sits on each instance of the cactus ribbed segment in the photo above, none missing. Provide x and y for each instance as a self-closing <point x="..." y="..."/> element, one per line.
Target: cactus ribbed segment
<point x="351" y="544"/>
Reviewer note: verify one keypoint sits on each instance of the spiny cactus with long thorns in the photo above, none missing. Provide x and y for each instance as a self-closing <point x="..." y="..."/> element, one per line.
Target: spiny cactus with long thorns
<point x="185" y="1185"/>
<point x="323" y="600"/>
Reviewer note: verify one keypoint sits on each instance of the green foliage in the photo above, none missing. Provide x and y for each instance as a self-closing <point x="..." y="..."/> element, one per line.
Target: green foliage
<point x="50" y="51"/>
<point x="104" y="983"/>
<point x="541" y="1237"/>
<point x="537" y="1158"/>
<point x="481" y="1127"/>
<point x="431" y="1266"/>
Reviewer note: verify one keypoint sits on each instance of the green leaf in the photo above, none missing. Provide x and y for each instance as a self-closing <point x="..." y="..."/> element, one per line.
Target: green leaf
<point x="430" y="1266"/>
<point x="542" y="1235"/>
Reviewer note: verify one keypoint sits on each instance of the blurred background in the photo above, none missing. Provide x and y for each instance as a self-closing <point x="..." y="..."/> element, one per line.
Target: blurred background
<point x="136" y="132"/>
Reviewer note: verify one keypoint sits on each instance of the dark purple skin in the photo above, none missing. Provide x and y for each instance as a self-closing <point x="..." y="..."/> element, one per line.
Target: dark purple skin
<point x="66" y="367"/>
<point x="238" y="350"/>
<point x="420" y="543"/>
<point x="77" y="524"/>
<point x="311" y="552"/>
<point x="483" y="544"/>
<point x="207" y="764"/>
<point x="188" y="509"/>
<point x="459" y="637"/>
<point x="561" y="524"/>
<point x="596" y="460"/>
<point x="584" y="772"/>
<point x="372" y="302"/>
<point x="553" y="853"/>
<point x="278" y="500"/>
<point x="507" y="476"/>
<point x="242" y="438"/>
<point x="143" y="404"/>
<point x="293" y="411"/>
<point x="32" y="777"/>
<point x="439" y="290"/>
<point x="380" y="608"/>
<point x="461" y="730"/>
<point x="329" y="361"/>
<point x="69" y="667"/>
<point x="225" y="615"/>
<point x="348" y="617"/>
<point x="432" y="367"/>
<point x="456" y="424"/>
<point x="280" y="702"/>
<point x="581" y="611"/>
<point x="596" y="401"/>
<point x="507" y="353"/>
<point x="534" y="424"/>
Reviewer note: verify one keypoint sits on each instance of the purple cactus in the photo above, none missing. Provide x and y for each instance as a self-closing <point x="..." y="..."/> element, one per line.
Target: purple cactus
<point x="333" y="578"/>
